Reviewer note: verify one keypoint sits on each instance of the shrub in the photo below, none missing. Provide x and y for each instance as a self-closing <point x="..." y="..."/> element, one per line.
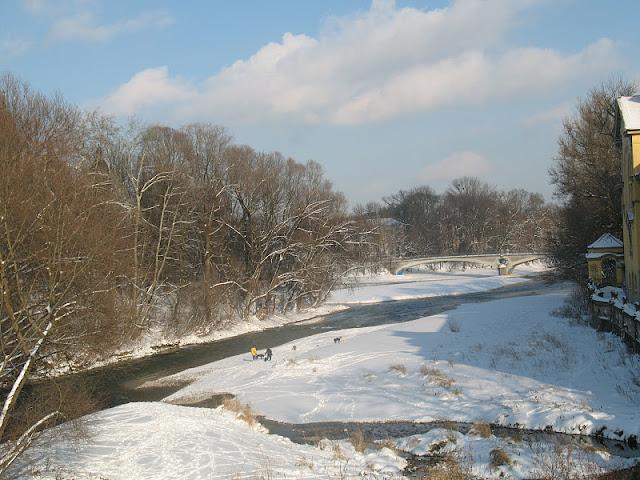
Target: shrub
<point x="481" y="429"/>
<point x="498" y="457"/>
<point x="436" y="376"/>
<point x="564" y="462"/>
<point x="243" y="411"/>
<point x="358" y="441"/>
<point x="398" y="367"/>
<point x="453" y="467"/>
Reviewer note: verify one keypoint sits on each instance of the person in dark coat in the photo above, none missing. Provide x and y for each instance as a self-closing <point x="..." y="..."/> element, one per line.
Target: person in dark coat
<point x="267" y="355"/>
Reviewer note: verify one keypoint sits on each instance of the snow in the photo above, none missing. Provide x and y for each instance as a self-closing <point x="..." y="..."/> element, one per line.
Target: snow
<point x="526" y="460"/>
<point x="594" y="256"/>
<point x="607" y="240"/>
<point x="630" y="108"/>
<point x="386" y="287"/>
<point x="160" y="441"/>
<point x="510" y="362"/>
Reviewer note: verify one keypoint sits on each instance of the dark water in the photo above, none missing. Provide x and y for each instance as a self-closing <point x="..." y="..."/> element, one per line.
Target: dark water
<point x="117" y="384"/>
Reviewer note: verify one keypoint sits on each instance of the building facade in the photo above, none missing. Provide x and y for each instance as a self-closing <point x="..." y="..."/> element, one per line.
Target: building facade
<point x="628" y="132"/>
<point x="605" y="259"/>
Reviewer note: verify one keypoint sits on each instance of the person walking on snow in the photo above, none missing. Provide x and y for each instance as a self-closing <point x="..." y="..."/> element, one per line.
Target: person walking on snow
<point x="267" y="355"/>
<point x="254" y="351"/>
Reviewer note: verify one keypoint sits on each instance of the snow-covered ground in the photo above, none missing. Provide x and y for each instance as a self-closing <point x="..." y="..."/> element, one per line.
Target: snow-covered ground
<point x="146" y="441"/>
<point x="509" y="362"/>
<point x="518" y="459"/>
<point x="385" y="287"/>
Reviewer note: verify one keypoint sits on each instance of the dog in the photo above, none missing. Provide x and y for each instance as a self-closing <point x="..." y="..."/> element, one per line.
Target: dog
<point x="337" y="340"/>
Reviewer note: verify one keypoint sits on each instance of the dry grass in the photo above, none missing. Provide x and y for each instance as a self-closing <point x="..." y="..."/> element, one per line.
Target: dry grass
<point x="399" y="368"/>
<point x="498" y="457"/>
<point x="242" y="410"/>
<point x="358" y="441"/>
<point x="481" y="429"/>
<point x="338" y="454"/>
<point x="389" y="443"/>
<point x="436" y="376"/>
<point x="564" y="462"/>
<point x="448" y="425"/>
<point x="454" y="467"/>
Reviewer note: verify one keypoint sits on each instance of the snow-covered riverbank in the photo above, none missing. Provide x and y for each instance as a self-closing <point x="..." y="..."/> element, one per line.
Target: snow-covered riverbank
<point x="510" y="362"/>
<point x="362" y="289"/>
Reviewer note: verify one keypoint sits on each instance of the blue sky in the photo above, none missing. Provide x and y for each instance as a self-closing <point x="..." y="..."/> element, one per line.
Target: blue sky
<point x="385" y="95"/>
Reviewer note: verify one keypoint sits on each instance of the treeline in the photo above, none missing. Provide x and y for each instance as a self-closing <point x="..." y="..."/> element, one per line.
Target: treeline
<point x="470" y="217"/>
<point x="109" y="233"/>
<point x="587" y="175"/>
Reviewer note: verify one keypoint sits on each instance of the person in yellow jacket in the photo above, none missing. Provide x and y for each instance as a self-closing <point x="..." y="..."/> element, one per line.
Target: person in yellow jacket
<point x="254" y="351"/>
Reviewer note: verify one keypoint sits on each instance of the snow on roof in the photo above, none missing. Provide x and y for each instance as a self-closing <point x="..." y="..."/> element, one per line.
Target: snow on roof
<point x="606" y="240"/>
<point x="630" y="109"/>
<point x="594" y="256"/>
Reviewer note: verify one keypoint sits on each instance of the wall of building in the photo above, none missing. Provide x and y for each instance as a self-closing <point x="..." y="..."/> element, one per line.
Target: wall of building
<point x="631" y="203"/>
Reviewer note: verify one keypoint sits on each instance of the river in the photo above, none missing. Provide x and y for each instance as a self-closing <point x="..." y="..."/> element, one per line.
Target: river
<point x="118" y="383"/>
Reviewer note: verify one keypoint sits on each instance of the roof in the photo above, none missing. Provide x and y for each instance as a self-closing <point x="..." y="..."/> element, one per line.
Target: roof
<point x="606" y="240"/>
<point x="630" y="110"/>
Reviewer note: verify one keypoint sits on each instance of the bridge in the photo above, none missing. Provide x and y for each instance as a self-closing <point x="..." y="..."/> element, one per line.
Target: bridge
<point x="504" y="262"/>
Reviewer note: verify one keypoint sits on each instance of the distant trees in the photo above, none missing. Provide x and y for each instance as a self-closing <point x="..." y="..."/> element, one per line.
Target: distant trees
<point x="587" y="176"/>
<point x="470" y="217"/>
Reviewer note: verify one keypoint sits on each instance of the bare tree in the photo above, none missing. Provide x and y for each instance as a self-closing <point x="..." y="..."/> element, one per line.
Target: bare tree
<point x="587" y="175"/>
<point x="52" y="236"/>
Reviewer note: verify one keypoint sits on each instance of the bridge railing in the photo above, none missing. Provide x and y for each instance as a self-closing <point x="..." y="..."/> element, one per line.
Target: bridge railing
<point x="475" y="255"/>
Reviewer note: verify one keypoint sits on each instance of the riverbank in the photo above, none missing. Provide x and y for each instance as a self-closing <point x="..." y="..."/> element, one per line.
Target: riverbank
<point x="505" y="362"/>
<point x="358" y="289"/>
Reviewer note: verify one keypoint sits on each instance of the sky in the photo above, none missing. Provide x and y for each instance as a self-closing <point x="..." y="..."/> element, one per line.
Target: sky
<point x="384" y="95"/>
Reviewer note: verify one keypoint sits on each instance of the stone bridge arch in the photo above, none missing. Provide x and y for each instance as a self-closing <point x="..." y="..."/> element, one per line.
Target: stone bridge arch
<point x="504" y="263"/>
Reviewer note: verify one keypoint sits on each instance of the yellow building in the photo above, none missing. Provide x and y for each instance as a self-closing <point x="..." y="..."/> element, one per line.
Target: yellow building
<point x="628" y="132"/>
<point x="605" y="258"/>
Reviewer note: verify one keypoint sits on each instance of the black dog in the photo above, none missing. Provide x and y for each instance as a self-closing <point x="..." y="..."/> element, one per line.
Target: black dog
<point x="337" y="340"/>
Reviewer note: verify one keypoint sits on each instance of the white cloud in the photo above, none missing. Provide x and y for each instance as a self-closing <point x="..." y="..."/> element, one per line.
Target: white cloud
<point x="458" y="164"/>
<point x="83" y="26"/>
<point x="385" y="63"/>
<point x="46" y="7"/>
<point x="150" y="87"/>
<point x="14" y="47"/>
